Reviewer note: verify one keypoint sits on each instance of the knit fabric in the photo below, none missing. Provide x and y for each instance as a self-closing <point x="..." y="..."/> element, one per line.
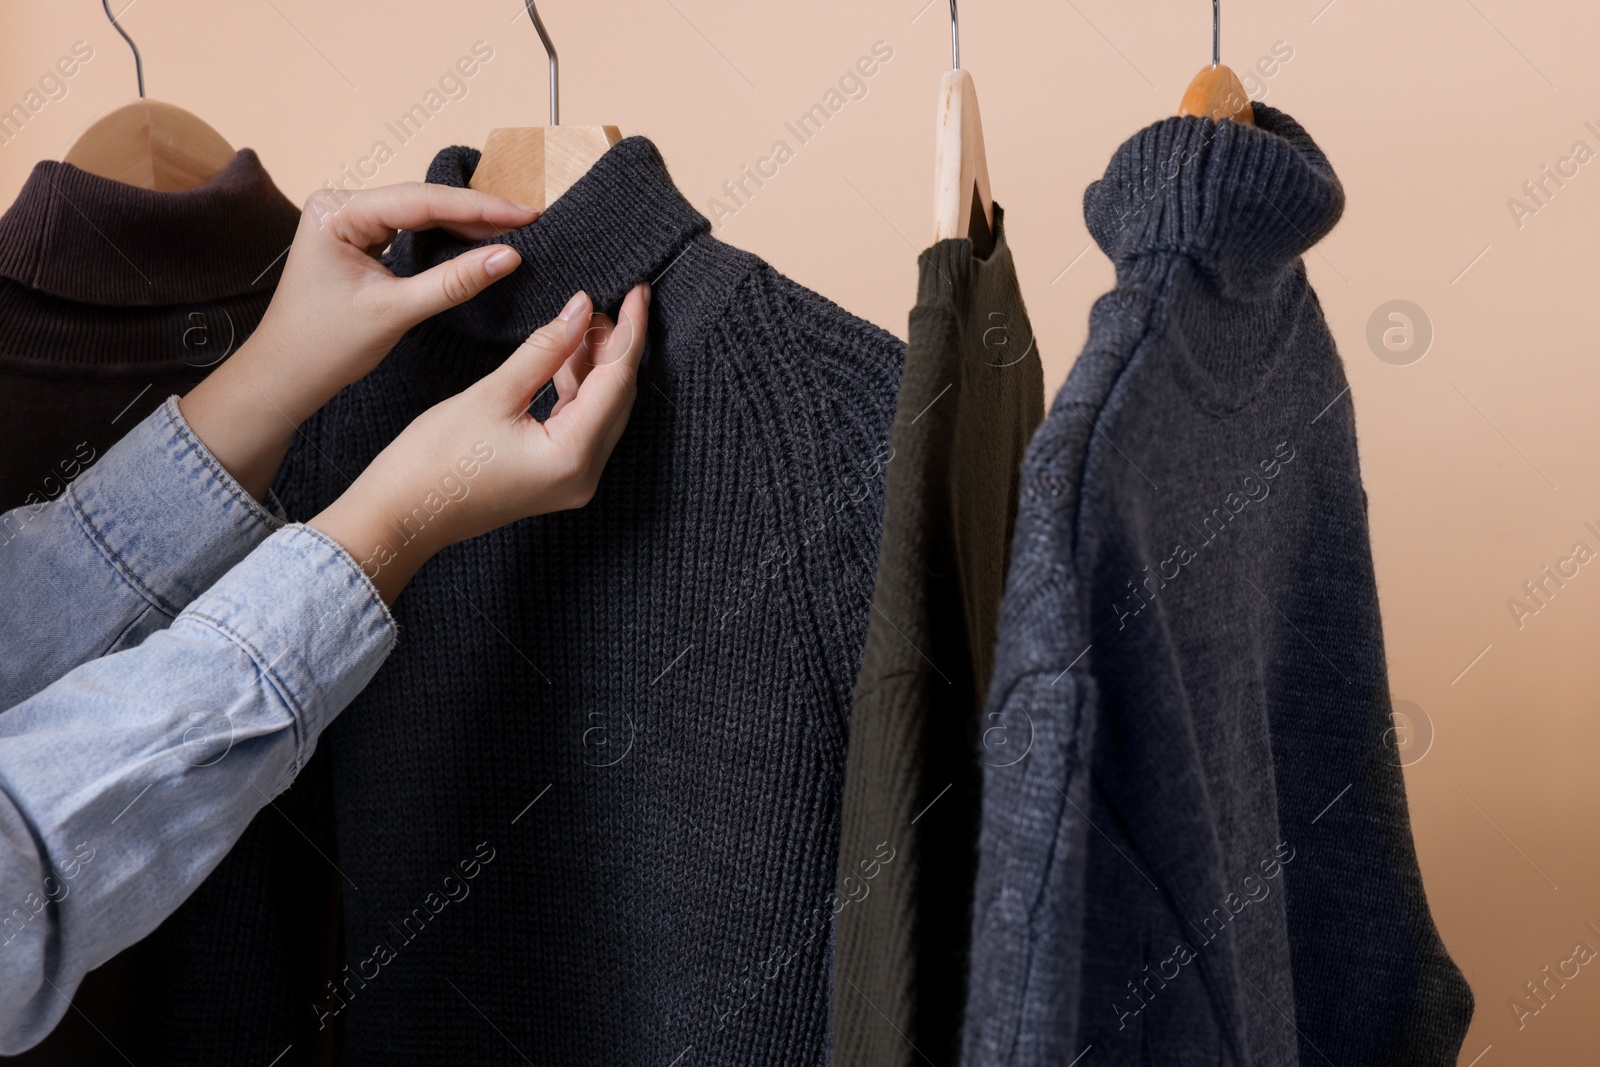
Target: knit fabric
<point x="626" y="722"/>
<point x="1206" y="855"/>
<point x="971" y="397"/>
<point x="112" y="298"/>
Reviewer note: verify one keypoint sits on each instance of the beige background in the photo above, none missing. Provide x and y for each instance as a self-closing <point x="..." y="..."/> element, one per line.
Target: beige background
<point x="1479" y="459"/>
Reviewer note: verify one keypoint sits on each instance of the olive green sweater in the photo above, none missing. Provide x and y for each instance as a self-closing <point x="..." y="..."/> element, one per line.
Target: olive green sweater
<point x="970" y="398"/>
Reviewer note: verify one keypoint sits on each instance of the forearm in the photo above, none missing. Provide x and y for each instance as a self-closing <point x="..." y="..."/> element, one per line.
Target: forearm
<point x="248" y="411"/>
<point x="415" y="499"/>
<point x="378" y="537"/>
<point x="125" y="783"/>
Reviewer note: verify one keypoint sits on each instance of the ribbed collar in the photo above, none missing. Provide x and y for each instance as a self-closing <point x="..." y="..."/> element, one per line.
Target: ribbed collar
<point x="623" y="222"/>
<point x="98" y="241"/>
<point x="1244" y="202"/>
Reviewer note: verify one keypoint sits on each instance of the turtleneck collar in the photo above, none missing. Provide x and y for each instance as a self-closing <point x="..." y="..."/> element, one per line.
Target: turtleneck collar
<point x="1243" y="202"/>
<point x="623" y="222"/>
<point x="96" y="241"/>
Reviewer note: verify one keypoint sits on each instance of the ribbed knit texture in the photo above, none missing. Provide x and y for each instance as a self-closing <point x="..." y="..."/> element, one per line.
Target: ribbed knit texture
<point x="971" y="396"/>
<point x="112" y="298"/>
<point x="639" y="708"/>
<point x="1206" y="855"/>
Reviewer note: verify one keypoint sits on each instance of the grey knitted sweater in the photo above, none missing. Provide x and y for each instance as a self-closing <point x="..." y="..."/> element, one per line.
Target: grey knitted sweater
<point x="588" y="811"/>
<point x="1206" y="856"/>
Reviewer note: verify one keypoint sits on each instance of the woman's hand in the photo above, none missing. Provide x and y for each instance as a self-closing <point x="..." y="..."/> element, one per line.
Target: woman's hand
<point x="338" y="311"/>
<point x="478" y="461"/>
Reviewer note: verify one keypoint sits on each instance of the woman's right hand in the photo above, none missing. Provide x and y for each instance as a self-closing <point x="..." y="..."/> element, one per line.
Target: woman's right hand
<point x="478" y="461"/>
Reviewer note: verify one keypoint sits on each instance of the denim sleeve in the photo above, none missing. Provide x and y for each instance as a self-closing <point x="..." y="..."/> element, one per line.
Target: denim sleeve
<point x="116" y="557"/>
<point x="125" y="782"/>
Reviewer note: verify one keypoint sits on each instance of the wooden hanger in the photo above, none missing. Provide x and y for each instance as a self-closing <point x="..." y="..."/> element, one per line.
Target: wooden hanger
<point x="1216" y="92"/>
<point x="150" y="144"/>
<point x="963" y="205"/>
<point x="534" y="165"/>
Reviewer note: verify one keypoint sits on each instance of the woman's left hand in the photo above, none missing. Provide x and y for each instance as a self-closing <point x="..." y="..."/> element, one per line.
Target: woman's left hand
<point x="338" y="311"/>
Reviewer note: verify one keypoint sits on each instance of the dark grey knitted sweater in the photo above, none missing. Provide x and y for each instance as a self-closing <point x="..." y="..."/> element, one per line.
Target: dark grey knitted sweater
<point x="627" y="721"/>
<point x="1206" y="857"/>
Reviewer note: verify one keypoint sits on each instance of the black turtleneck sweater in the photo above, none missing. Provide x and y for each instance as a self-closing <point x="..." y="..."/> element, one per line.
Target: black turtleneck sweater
<point x="588" y="811"/>
<point x="112" y="298"/>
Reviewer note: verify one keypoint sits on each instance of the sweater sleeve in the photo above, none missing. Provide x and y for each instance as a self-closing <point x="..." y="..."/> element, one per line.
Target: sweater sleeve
<point x="1038" y="733"/>
<point x="116" y="557"/>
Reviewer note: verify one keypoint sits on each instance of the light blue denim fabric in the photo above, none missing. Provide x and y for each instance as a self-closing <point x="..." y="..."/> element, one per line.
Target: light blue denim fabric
<point x="169" y="654"/>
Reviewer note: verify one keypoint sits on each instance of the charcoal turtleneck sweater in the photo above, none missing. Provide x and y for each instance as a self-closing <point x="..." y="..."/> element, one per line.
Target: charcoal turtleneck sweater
<point x="1206" y="856"/>
<point x="626" y="722"/>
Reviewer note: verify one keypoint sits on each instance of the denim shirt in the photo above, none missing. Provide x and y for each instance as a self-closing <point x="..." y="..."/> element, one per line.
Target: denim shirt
<point x="170" y="651"/>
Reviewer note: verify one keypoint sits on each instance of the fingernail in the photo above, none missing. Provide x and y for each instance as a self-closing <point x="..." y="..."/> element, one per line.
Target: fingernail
<point x="648" y="292"/>
<point x="502" y="262"/>
<point x="575" y="307"/>
<point x="527" y="207"/>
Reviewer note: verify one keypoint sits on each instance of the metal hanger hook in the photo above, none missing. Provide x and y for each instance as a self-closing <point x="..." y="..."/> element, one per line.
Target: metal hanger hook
<point x="555" y="66"/>
<point x="138" y="63"/>
<point x="955" y="36"/>
<point x="1216" y="33"/>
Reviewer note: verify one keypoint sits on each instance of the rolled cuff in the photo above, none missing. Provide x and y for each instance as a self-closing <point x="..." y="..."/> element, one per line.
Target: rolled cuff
<point x="320" y="647"/>
<point x="165" y="512"/>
